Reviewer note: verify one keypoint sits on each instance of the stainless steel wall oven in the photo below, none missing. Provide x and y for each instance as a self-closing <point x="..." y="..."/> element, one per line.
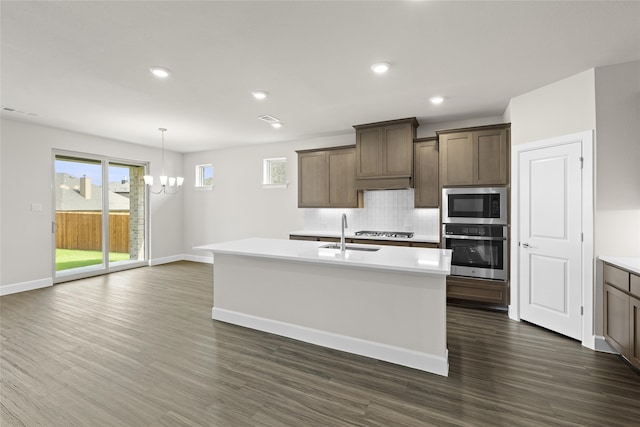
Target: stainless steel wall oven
<point x="479" y="250"/>
<point x="475" y="228"/>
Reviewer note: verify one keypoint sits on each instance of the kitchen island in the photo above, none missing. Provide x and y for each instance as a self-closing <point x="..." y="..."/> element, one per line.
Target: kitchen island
<point x="386" y="302"/>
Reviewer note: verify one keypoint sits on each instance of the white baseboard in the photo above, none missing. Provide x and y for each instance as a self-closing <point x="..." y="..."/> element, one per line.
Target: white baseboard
<point x="166" y="260"/>
<point x="397" y="355"/>
<point x="198" y="258"/>
<point x="181" y="257"/>
<point x="25" y="286"/>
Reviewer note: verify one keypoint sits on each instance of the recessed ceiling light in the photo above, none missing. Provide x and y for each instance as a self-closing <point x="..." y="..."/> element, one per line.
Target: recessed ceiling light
<point x="276" y="125"/>
<point x="259" y="94"/>
<point x="436" y="100"/>
<point x="380" y="67"/>
<point x="160" y="72"/>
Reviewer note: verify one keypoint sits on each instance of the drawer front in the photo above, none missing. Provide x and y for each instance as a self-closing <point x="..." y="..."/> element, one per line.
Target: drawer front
<point x="425" y="245"/>
<point x="298" y="237"/>
<point x="381" y="242"/>
<point x="634" y="284"/>
<point x="478" y="290"/>
<point x="616" y="277"/>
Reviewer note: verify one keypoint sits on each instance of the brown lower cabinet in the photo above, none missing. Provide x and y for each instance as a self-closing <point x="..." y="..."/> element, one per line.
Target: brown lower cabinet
<point x="622" y="312"/>
<point x="380" y="242"/>
<point x="314" y="238"/>
<point x="477" y="290"/>
<point x="425" y="245"/>
<point x="634" y="317"/>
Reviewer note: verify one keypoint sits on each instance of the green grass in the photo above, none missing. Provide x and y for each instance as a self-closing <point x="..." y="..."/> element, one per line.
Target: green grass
<point x="70" y="258"/>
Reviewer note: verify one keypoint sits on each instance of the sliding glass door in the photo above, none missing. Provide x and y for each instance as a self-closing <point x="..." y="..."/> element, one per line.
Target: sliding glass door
<point x="100" y="215"/>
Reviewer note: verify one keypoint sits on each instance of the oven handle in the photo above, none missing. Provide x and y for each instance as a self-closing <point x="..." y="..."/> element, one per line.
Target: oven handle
<point x="449" y="236"/>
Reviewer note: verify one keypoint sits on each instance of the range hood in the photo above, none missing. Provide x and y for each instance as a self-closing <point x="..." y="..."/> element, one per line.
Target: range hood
<point x="384" y="154"/>
<point x="385" y="183"/>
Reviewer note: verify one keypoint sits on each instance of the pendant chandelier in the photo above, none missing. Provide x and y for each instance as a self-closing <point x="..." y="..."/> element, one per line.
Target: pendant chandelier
<point x="168" y="184"/>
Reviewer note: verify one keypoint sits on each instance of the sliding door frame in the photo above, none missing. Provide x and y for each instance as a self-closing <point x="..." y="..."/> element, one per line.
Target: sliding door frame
<point x="105" y="161"/>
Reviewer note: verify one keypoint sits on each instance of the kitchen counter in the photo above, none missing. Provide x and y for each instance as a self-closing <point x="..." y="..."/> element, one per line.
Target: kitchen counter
<point x="390" y="258"/>
<point x="389" y="304"/>
<point x="418" y="238"/>
<point x="631" y="264"/>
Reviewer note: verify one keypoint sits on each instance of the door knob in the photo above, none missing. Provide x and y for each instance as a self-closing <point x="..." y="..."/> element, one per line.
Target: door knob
<point x="526" y="245"/>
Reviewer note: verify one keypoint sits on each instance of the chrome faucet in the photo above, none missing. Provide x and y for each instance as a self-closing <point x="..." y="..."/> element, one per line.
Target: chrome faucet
<point x="343" y="247"/>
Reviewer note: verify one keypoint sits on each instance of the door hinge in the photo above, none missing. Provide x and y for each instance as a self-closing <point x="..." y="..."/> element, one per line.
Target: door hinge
<point x="54" y="227"/>
<point x="581" y="310"/>
<point x="582" y="237"/>
<point x="581" y="162"/>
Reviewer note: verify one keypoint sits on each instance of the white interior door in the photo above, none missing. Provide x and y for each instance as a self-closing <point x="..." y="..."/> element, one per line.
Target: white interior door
<point x="550" y="244"/>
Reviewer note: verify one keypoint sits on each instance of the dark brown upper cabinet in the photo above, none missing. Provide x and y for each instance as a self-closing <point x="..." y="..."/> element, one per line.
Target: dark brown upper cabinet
<point x="326" y="178"/>
<point x="384" y="154"/>
<point x="425" y="173"/>
<point x="475" y="156"/>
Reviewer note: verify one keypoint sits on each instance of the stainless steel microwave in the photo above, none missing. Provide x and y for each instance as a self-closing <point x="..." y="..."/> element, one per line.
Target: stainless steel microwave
<point x="474" y="205"/>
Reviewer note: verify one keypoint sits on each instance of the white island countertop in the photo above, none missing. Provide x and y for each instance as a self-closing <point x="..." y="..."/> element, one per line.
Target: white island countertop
<point x="390" y="258"/>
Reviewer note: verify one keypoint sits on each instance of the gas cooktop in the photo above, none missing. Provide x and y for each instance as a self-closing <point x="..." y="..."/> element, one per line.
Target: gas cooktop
<point x="397" y="234"/>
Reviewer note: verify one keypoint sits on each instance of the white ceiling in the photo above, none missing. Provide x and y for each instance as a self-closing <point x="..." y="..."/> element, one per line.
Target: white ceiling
<point x="84" y="66"/>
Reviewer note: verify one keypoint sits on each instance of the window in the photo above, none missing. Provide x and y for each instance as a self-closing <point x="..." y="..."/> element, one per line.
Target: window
<point x="274" y="173"/>
<point x="204" y="177"/>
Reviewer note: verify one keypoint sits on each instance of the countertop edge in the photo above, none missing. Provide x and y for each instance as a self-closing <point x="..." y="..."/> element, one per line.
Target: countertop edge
<point x="353" y="265"/>
<point x="628" y="263"/>
<point x="218" y="248"/>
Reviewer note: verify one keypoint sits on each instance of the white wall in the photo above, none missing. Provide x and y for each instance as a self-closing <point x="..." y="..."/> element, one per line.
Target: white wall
<point x="238" y="206"/>
<point x="26" y="177"/>
<point x="617" y="220"/>
<point x="560" y="108"/>
<point x="605" y="99"/>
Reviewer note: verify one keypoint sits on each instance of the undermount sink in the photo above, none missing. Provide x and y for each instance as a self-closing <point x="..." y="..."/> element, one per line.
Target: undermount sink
<point x="350" y="248"/>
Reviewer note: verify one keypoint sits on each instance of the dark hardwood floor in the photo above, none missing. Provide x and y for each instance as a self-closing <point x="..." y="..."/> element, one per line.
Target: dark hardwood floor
<point x="138" y="348"/>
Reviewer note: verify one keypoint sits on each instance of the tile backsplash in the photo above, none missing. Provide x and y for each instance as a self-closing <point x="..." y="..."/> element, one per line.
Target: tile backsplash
<point x="385" y="210"/>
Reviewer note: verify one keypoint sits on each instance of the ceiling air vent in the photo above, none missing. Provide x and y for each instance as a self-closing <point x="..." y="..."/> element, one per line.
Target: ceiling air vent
<point x="269" y="119"/>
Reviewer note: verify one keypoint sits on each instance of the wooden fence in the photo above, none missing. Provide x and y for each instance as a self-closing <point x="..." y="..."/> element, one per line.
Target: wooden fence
<point x="83" y="231"/>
